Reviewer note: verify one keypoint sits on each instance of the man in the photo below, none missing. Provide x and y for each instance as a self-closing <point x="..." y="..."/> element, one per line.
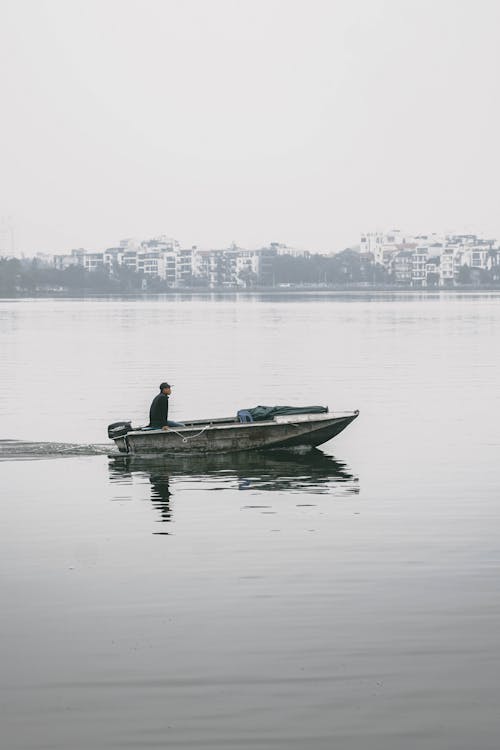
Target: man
<point x="158" y="412"/>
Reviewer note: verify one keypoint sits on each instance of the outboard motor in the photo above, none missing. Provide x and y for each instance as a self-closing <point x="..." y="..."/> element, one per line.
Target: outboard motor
<point x="119" y="429"/>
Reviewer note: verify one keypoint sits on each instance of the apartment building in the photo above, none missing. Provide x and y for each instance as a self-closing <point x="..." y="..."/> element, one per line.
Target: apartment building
<point x="384" y="246"/>
<point x="75" y="258"/>
<point x="93" y="261"/>
<point x="432" y="271"/>
<point x="476" y="256"/>
<point x="418" y="270"/>
<point x="401" y="268"/>
<point x="164" y="258"/>
<point x="432" y="256"/>
<point x="493" y="263"/>
<point x="449" y="266"/>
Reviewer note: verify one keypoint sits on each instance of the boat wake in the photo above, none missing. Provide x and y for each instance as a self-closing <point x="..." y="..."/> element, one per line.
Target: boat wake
<point x="11" y="450"/>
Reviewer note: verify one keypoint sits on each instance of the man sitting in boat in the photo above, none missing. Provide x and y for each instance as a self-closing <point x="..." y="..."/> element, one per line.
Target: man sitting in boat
<point x="158" y="412"/>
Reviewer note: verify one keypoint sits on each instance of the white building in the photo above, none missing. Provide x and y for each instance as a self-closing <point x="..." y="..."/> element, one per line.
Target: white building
<point x="385" y="245"/>
<point x="282" y="249"/>
<point x="216" y="267"/>
<point x="476" y="256"/>
<point x="75" y="258"/>
<point x="432" y="269"/>
<point x="494" y="259"/>
<point x="419" y="262"/>
<point x="129" y="243"/>
<point x="113" y="257"/>
<point x="93" y="261"/>
<point x="401" y="267"/>
<point x="450" y="263"/>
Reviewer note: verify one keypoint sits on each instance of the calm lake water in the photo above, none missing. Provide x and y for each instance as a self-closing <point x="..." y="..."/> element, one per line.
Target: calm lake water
<point x="347" y="599"/>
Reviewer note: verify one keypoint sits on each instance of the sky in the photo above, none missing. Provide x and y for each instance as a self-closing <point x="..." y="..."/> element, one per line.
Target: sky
<point x="213" y="121"/>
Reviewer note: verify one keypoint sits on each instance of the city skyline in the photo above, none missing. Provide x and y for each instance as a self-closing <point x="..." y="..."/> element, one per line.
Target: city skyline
<point x="393" y="258"/>
<point x="8" y="245"/>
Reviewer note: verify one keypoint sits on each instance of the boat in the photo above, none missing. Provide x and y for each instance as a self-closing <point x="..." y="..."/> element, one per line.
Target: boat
<point x="301" y="430"/>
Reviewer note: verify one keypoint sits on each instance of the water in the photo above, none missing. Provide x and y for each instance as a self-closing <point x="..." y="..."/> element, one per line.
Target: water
<point x="344" y="599"/>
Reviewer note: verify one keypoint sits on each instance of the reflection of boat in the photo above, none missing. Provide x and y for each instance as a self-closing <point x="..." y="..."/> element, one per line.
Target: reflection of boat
<point x="313" y="472"/>
<point x="229" y="435"/>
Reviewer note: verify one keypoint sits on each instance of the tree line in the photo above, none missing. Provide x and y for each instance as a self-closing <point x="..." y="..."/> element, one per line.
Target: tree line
<point x="33" y="277"/>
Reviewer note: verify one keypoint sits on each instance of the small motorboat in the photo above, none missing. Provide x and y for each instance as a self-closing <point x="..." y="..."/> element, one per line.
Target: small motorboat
<point x="275" y="427"/>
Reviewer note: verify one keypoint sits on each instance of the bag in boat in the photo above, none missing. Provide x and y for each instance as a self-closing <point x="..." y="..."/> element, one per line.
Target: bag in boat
<point x="264" y="413"/>
<point x="118" y="429"/>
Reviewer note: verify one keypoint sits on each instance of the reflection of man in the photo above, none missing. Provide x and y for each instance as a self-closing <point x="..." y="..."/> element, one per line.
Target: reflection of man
<point x="160" y="495"/>
<point x="158" y="412"/>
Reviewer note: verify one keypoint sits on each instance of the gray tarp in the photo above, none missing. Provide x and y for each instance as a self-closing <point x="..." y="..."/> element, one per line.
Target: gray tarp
<point x="261" y="413"/>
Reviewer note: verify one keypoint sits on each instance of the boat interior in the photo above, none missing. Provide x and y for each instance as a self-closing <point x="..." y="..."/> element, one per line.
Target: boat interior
<point x="217" y="422"/>
<point x="237" y="420"/>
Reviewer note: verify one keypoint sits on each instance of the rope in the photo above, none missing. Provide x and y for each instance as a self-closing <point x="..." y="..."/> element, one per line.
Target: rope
<point x="185" y="438"/>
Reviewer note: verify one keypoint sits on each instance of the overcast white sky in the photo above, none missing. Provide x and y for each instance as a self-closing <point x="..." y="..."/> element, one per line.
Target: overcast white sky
<point x="299" y="121"/>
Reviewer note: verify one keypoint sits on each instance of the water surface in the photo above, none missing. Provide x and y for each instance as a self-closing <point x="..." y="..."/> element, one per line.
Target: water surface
<point x="343" y="599"/>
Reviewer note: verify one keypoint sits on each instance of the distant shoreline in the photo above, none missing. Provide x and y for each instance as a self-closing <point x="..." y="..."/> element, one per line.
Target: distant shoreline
<point x="224" y="291"/>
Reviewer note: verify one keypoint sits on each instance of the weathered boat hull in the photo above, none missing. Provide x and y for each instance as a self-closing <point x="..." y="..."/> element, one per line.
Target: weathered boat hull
<point x="228" y="436"/>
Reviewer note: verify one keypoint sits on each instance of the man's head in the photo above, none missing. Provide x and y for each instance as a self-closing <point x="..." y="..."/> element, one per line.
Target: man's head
<point x="166" y="388"/>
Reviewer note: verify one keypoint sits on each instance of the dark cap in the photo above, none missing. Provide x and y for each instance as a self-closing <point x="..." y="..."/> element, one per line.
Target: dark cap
<point x="164" y="385"/>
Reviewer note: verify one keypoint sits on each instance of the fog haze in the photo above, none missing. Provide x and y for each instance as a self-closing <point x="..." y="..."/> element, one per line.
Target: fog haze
<point x="218" y="121"/>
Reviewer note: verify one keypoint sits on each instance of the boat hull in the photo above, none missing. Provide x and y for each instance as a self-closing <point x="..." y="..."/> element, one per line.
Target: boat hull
<point x="305" y="431"/>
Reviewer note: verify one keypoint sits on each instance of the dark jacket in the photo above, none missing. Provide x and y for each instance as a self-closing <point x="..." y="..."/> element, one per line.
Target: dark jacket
<point x="158" y="412"/>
